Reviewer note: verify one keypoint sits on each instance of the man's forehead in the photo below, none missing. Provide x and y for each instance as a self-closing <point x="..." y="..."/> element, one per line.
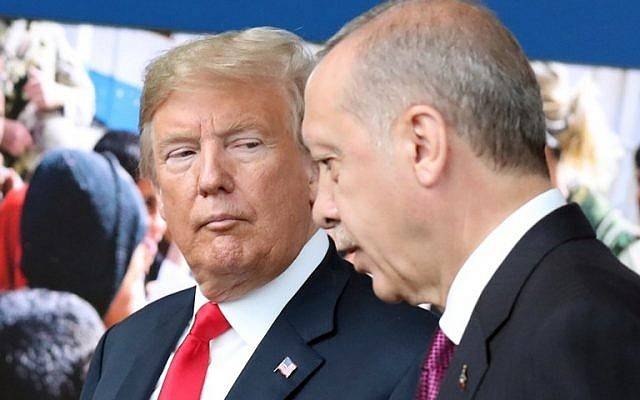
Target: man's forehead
<point x="225" y="106"/>
<point x="325" y="97"/>
<point x="336" y="64"/>
<point x="310" y="78"/>
<point x="325" y="88"/>
<point x="313" y="88"/>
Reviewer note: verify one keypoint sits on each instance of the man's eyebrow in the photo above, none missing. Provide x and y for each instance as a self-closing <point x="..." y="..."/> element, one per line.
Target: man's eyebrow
<point x="323" y="151"/>
<point x="245" y="124"/>
<point x="320" y="146"/>
<point x="176" y="136"/>
<point x="186" y="134"/>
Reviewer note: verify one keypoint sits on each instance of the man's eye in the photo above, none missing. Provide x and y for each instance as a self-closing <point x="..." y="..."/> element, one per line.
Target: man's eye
<point x="325" y="163"/>
<point x="178" y="154"/>
<point x="328" y="166"/>
<point x="246" y="144"/>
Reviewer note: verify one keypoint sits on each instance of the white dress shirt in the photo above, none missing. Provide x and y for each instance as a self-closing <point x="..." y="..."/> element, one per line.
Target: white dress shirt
<point x="250" y="318"/>
<point x="483" y="262"/>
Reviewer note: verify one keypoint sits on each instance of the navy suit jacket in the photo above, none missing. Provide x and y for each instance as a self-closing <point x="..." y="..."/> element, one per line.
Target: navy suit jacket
<point x="559" y="320"/>
<point x="346" y="343"/>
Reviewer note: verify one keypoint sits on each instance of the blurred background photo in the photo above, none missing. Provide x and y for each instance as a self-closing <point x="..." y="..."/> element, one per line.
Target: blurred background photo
<point x="70" y="82"/>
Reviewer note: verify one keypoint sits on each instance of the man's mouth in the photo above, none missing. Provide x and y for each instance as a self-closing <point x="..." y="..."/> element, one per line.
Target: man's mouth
<point x="220" y="222"/>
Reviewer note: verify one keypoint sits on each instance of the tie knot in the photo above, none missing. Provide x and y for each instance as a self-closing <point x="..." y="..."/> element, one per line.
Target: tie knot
<point x="209" y="323"/>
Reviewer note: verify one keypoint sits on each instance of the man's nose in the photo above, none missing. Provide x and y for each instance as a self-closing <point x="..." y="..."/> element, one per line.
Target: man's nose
<point x="214" y="174"/>
<point x="325" y="212"/>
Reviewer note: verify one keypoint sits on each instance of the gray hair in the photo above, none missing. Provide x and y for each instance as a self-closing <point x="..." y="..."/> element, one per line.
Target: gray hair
<point x="457" y="57"/>
<point x="264" y="54"/>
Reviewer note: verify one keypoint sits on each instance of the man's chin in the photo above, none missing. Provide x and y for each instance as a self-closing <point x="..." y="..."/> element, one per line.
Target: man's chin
<point x="358" y="266"/>
<point x="384" y="293"/>
<point x="350" y="256"/>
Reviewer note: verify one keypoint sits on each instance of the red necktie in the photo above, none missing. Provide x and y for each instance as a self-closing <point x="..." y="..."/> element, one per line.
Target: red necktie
<point x="435" y="366"/>
<point x="188" y="368"/>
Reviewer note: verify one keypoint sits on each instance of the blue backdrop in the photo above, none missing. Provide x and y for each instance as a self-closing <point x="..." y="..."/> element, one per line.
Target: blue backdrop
<point x="582" y="31"/>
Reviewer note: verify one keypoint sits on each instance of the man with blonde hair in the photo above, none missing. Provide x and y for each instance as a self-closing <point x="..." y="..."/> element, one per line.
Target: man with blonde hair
<point x="427" y="123"/>
<point x="276" y="313"/>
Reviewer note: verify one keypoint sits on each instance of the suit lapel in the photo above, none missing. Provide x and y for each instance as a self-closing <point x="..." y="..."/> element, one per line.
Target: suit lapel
<point x="469" y="365"/>
<point x="304" y="320"/>
<point x="152" y="356"/>
<point x="470" y="360"/>
<point x="259" y="381"/>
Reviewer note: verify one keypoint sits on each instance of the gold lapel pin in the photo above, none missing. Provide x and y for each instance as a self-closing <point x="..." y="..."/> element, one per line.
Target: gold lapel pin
<point x="462" y="379"/>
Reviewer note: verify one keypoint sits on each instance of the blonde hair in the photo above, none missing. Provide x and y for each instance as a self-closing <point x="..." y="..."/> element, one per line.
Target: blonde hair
<point x="257" y="55"/>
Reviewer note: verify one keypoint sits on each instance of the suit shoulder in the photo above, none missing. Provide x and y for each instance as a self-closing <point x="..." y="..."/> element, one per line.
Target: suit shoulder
<point x="386" y="341"/>
<point x="157" y="309"/>
<point x="400" y="320"/>
<point x="585" y="271"/>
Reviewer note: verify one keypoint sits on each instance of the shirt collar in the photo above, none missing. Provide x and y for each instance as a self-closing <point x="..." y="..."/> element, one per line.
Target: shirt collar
<point x="483" y="262"/>
<point x="251" y="316"/>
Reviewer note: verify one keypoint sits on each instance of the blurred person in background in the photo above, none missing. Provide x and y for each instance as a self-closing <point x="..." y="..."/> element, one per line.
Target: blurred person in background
<point x="168" y="272"/>
<point x="12" y="192"/>
<point x="11" y="276"/>
<point x="15" y="139"/>
<point x="576" y="125"/>
<point x="50" y="97"/>
<point x="8" y="177"/>
<point x="47" y="339"/>
<point x="582" y="154"/>
<point x="83" y="224"/>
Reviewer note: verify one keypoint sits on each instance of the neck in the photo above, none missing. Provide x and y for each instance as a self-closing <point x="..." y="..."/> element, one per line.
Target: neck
<point x="471" y="218"/>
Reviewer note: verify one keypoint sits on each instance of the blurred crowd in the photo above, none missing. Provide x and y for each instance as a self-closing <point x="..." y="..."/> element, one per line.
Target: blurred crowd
<point x="82" y="240"/>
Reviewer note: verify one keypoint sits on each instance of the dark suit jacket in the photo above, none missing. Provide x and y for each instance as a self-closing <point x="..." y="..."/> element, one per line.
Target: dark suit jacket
<point x="560" y="320"/>
<point x="346" y="343"/>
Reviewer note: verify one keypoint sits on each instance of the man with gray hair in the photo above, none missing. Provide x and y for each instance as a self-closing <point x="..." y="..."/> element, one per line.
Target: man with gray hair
<point x="426" y="121"/>
<point x="276" y="313"/>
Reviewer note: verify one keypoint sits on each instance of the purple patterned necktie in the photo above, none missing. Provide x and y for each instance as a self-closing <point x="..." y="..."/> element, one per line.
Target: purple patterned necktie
<point x="435" y="366"/>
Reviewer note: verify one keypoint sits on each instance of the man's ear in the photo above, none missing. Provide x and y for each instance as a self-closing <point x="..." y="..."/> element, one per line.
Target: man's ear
<point x="426" y="138"/>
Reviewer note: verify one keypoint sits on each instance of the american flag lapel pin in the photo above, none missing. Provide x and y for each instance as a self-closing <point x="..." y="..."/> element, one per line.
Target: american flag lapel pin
<point x="286" y="367"/>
